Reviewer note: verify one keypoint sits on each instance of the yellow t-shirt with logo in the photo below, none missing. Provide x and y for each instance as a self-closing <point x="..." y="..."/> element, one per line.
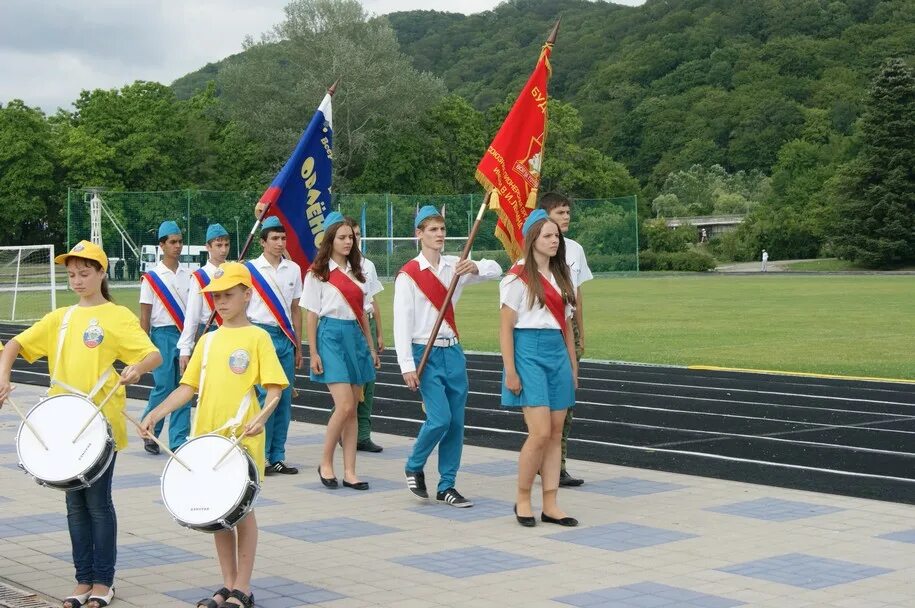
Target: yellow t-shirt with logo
<point x="239" y="358"/>
<point x="95" y="337"/>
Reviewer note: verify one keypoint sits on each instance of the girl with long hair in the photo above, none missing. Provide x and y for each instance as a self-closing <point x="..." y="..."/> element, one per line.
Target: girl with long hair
<point x="340" y="345"/>
<point x="538" y="353"/>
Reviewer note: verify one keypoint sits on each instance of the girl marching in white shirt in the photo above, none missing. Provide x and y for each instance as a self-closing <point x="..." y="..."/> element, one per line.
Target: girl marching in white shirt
<point x="338" y="339"/>
<point x="538" y="353"/>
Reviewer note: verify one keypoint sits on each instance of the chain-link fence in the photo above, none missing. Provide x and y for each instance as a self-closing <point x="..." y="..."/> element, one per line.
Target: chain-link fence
<point x="606" y="228"/>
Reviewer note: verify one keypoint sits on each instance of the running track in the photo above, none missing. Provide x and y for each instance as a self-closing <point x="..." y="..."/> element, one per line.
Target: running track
<point x="840" y="436"/>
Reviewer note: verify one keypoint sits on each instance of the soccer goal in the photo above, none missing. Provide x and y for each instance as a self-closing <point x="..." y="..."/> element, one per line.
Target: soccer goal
<point x="390" y="253"/>
<point x="28" y="282"/>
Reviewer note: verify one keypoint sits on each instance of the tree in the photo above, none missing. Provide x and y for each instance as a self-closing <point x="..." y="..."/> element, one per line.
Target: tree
<point x="28" y="192"/>
<point x="874" y="221"/>
<point x="274" y="91"/>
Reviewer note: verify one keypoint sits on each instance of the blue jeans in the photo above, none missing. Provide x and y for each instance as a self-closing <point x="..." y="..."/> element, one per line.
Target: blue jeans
<point x="93" y="531"/>
<point x="167" y="378"/>
<point x="277" y="426"/>
<point x="443" y="387"/>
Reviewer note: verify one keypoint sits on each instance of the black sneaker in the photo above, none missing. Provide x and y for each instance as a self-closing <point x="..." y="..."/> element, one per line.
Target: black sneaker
<point x="151" y="446"/>
<point x="281" y="468"/>
<point x="453" y="497"/>
<point x="416" y="483"/>
<point x="567" y="481"/>
<point x="368" y="446"/>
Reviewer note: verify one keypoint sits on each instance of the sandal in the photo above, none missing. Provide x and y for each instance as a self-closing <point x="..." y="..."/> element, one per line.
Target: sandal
<point x="100" y="601"/>
<point x="76" y="601"/>
<point x="210" y="602"/>
<point x="247" y="601"/>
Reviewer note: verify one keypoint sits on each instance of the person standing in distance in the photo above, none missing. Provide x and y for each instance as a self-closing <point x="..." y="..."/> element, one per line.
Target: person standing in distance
<point x="559" y="209"/>
<point x="373" y="312"/>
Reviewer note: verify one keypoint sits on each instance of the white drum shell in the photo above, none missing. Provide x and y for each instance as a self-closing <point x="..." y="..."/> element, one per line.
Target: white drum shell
<point x="205" y="498"/>
<point x="65" y="465"/>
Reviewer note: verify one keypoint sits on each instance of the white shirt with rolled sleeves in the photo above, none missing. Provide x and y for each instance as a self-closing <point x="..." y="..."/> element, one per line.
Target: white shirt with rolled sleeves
<point x="324" y="299"/>
<point x="178" y="283"/>
<point x="372" y="285"/>
<point x="414" y="314"/>
<point x="287" y="277"/>
<point x="578" y="264"/>
<point x="197" y="312"/>
<point x="513" y="293"/>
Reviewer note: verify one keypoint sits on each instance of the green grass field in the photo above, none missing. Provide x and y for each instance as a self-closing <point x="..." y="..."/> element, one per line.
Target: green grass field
<point x="859" y="325"/>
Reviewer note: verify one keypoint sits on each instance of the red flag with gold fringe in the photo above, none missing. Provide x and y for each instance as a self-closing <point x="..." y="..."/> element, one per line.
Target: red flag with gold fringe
<point x="510" y="168"/>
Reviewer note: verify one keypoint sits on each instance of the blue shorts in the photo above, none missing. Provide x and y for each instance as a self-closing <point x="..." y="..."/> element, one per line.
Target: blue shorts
<point x="344" y="353"/>
<point x="542" y="363"/>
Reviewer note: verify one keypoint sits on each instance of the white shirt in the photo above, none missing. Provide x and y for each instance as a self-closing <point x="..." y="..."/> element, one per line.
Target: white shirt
<point x="372" y="284"/>
<point x="197" y="312"/>
<point x="414" y="314"/>
<point x="287" y="277"/>
<point x="513" y="293"/>
<point x="178" y="283"/>
<point x="578" y="264"/>
<point x="325" y="300"/>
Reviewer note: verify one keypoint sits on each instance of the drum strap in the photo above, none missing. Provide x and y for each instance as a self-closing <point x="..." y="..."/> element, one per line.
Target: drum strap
<point x="235" y="421"/>
<point x="61" y="335"/>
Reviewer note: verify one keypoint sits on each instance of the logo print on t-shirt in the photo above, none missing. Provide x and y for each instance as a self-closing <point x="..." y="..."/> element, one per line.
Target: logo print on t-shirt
<point x="94" y="334"/>
<point x="239" y="361"/>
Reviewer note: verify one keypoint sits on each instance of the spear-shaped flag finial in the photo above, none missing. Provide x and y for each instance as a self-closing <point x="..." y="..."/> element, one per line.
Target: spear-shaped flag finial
<point x="333" y="88"/>
<point x="554" y="32"/>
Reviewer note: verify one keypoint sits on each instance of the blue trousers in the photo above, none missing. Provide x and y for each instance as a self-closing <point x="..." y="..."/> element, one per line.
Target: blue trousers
<point x="277" y="426"/>
<point x="443" y="387"/>
<point x="93" y="531"/>
<point x="167" y="378"/>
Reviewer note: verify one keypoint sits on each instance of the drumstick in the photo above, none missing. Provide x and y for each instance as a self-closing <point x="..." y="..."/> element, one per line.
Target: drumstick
<point x="158" y="441"/>
<point x="27" y="424"/>
<point x="98" y="409"/>
<point x="238" y="439"/>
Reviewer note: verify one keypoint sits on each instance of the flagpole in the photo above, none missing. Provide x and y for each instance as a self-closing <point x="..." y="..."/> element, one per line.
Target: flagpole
<point x="454" y="281"/>
<point x="257" y="223"/>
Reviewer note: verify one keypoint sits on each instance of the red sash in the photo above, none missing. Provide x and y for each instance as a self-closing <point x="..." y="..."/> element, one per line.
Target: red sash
<point x="203" y="279"/>
<point x="554" y="301"/>
<point x="350" y="291"/>
<point x="432" y="288"/>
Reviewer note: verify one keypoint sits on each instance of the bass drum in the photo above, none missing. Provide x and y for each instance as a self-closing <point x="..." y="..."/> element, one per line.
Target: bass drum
<point x="205" y="498"/>
<point x="65" y="464"/>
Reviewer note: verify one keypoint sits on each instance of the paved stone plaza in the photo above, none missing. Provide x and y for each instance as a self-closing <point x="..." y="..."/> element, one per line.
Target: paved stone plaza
<point x="648" y="539"/>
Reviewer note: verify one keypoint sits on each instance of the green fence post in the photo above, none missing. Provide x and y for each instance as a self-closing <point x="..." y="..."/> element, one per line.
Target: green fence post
<point x="635" y="200"/>
<point x="68" y="219"/>
<point x="189" y="240"/>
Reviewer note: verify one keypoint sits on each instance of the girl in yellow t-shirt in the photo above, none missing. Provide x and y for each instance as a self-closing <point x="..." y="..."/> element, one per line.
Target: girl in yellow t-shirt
<point x="239" y="356"/>
<point x="95" y="333"/>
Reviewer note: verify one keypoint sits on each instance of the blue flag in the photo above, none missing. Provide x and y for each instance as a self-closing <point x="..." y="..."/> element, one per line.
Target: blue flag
<point x="300" y="193"/>
<point x="362" y="226"/>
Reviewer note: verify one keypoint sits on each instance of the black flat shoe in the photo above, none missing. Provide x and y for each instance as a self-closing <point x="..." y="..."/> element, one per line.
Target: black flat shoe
<point x="328" y="483"/>
<point x="527" y="522"/>
<point x="359" y="485"/>
<point x="569" y="522"/>
<point x="368" y="446"/>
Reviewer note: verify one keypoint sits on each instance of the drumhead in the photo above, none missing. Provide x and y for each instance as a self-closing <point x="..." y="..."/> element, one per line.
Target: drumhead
<point x="203" y="495"/>
<point x="57" y="419"/>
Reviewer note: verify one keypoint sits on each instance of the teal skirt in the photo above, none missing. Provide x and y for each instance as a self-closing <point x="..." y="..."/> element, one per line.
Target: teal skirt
<point x="344" y="353"/>
<point x="542" y="363"/>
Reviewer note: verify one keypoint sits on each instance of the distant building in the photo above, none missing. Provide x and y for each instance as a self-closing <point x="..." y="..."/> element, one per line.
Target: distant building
<point x="714" y="224"/>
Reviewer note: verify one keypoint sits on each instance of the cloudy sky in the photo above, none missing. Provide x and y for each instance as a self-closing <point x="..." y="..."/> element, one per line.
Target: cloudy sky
<point x="52" y="49"/>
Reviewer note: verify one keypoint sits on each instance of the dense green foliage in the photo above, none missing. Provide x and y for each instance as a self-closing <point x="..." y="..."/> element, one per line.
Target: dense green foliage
<point x="697" y="106"/>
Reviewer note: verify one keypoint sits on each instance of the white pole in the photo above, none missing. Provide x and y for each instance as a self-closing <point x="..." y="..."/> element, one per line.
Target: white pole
<point x="53" y="281"/>
<point x="16" y="287"/>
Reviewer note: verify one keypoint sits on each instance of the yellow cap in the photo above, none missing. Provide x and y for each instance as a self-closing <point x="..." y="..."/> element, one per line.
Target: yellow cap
<point x="86" y="250"/>
<point x="228" y="275"/>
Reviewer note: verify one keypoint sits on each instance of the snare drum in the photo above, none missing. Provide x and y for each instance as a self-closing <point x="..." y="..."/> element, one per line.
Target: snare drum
<point x="208" y="499"/>
<point x="65" y="465"/>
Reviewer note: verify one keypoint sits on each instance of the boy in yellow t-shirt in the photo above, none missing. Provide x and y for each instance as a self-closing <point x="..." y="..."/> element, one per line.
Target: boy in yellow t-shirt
<point x="239" y="356"/>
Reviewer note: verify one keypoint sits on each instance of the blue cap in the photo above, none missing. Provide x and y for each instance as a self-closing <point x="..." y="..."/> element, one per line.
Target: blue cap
<point x="271" y="222"/>
<point x="537" y="215"/>
<point x="425" y="212"/>
<point x="334" y="217"/>
<point x="214" y="231"/>
<point x="167" y="228"/>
